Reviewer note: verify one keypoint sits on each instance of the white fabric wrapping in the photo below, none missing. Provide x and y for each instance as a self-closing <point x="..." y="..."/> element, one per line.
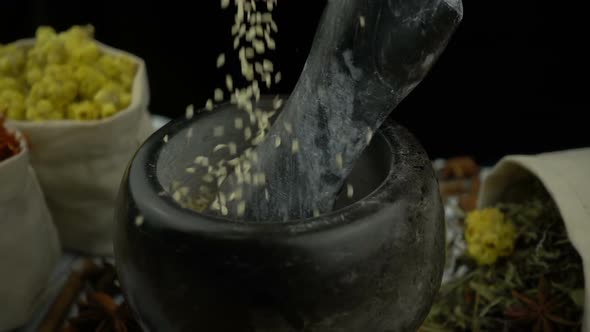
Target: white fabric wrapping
<point x="566" y="176"/>
<point x="29" y="247"/>
<point x="80" y="165"/>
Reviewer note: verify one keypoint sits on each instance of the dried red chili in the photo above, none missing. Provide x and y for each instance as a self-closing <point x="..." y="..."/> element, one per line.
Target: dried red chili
<point x="9" y="145"/>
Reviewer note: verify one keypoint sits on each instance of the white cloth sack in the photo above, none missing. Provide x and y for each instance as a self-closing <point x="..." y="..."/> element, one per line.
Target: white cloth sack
<point x="29" y="247"/>
<point x="80" y="165"/>
<point x="566" y="176"/>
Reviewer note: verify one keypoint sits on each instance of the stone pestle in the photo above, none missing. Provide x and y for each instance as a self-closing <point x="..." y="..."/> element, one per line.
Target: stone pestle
<point x="367" y="56"/>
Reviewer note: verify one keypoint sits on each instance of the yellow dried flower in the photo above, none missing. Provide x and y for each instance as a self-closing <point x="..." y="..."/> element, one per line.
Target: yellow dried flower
<point x="108" y="110"/>
<point x="12" y="60"/>
<point x="44" y="34"/>
<point x="10" y="83"/>
<point x="33" y="74"/>
<point x="85" y="110"/>
<point x="64" y="75"/>
<point x="12" y="103"/>
<point x="84" y="52"/>
<point x="42" y="110"/>
<point x="90" y="80"/>
<point x="489" y="235"/>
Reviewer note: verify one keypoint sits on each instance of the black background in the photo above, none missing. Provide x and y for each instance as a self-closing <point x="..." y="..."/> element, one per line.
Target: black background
<point x="512" y="79"/>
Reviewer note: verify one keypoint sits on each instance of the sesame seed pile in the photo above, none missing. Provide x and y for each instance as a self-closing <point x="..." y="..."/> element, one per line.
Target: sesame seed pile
<point x="253" y="32"/>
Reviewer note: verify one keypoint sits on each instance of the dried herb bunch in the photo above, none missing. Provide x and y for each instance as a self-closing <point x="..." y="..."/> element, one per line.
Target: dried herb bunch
<point x="539" y="287"/>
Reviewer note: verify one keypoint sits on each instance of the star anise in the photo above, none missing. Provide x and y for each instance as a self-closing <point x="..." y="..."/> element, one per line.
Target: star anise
<point x="104" y="279"/>
<point x="542" y="312"/>
<point x="101" y="313"/>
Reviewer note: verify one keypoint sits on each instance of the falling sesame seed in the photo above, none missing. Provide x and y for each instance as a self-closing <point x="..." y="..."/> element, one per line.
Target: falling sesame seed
<point x="221" y="60"/>
<point x="288" y="127"/>
<point x="224" y="4"/>
<point x="339" y="161"/>
<point x="266" y="195"/>
<point x="189" y="133"/>
<point x="349" y="191"/>
<point x="166" y="139"/>
<point x="258" y="46"/>
<point x="277" y="103"/>
<point x="139" y="221"/>
<point x="190" y="112"/>
<point x="191" y="170"/>
<point x="218" y="131"/>
<point x="295" y="146"/>
<point x="362" y="21"/>
<point x="247" y="133"/>
<point x="268" y="65"/>
<point x="229" y="83"/>
<point x="277" y="141"/>
<point x="278" y="77"/>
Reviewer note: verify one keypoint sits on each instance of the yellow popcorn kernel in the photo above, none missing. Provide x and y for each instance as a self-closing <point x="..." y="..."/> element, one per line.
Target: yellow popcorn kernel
<point x="489" y="235"/>
<point x="90" y="80"/>
<point x="85" y="110"/>
<point x="12" y="103"/>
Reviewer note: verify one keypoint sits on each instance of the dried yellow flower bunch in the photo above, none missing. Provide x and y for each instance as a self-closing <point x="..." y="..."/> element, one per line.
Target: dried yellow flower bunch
<point x="64" y="76"/>
<point x="489" y="235"/>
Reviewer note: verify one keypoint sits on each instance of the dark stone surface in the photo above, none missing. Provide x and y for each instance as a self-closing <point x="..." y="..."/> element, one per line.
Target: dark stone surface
<point x="354" y="77"/>
<point x="374" y="264"/>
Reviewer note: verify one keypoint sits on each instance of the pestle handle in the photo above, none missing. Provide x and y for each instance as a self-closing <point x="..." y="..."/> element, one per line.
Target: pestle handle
<point x="367" y="56"/>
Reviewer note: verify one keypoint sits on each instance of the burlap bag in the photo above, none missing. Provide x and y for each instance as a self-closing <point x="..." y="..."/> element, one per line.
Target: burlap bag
<point x="80" y="165"/>
<point x="29" y="247"/>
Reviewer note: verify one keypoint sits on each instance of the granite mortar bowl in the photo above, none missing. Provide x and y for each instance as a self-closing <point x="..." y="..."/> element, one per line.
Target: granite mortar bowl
<point x="374" y="264"/>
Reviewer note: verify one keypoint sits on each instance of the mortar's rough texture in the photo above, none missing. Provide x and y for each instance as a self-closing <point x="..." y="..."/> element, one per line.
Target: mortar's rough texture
<point x="373" y="265"/>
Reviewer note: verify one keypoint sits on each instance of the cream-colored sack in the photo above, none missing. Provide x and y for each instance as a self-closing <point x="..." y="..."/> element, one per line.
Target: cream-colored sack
<point x="29" y="247"/>
<point x="566" y="176"/>
<point x="80" y="165"/>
